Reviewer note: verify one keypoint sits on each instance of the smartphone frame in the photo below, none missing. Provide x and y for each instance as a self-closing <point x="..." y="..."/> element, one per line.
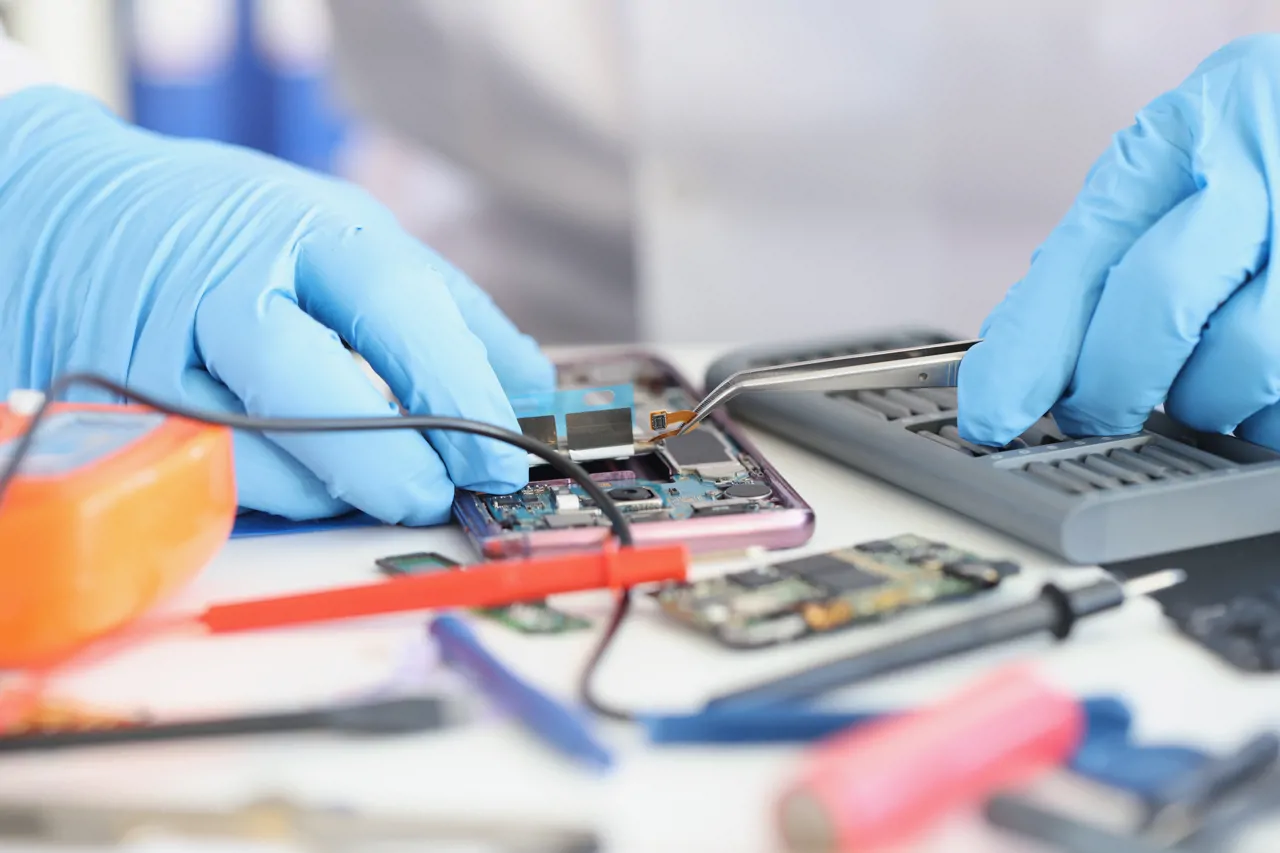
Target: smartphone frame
<point x="785" y="527"/>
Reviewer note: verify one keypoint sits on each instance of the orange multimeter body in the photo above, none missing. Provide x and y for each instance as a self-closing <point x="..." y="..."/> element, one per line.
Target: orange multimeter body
<point x="114" y="507"/>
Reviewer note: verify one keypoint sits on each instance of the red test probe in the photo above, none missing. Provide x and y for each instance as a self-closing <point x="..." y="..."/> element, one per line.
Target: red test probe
<point x="484" y="585"/>
<point x="880" y="783"/>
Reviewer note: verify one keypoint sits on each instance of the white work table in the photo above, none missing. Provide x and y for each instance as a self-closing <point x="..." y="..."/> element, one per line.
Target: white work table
<point x="658" y="798"/>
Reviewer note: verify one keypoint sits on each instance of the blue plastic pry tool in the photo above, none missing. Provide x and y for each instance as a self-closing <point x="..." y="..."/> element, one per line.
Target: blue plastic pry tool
<point x="1108" y="753"/>
<point x="251" y="524"/>
<point x="558" y="725"/>
<point x="750" y="725"/>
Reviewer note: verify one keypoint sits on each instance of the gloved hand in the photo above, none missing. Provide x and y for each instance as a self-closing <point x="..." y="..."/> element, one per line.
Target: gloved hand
<point x="222" y="278"/>
<point x="1155" y="288"/>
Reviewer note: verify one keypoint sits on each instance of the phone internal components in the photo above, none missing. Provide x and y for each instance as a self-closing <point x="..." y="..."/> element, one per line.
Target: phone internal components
<point x="603" y="423"/>
<point x="660" y="421"/>
<point x="635" y="498"/>
<point x="824" y="592"/>
<point x="702" y="453"/>
<point x="530" y="617"/>
<point x="749" y="490"/>
<point x="604" y="434"/>
<point x="541" y="428"/>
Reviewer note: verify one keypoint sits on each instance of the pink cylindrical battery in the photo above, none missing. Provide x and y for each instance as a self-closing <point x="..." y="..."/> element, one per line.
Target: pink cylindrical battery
<point x="884" y="782"/>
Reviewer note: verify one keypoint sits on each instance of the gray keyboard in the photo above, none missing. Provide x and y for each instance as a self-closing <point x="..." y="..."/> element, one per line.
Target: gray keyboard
<point x="1089" y="501"/>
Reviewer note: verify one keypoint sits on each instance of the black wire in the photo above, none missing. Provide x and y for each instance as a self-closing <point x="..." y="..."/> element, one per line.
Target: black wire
<point x="574" y="471"/>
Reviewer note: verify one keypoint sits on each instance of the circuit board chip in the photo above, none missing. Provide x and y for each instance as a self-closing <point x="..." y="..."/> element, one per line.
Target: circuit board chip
<point x="825" y="592"/>
<point x="530" y="617"/>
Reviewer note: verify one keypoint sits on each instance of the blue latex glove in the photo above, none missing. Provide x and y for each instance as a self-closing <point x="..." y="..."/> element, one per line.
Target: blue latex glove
<point x="1155" y="288"/>
<point x="223" y="278"/>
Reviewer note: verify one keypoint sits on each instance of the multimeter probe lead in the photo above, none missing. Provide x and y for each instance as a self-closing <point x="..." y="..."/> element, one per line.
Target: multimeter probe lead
<point x="25" y="441"/>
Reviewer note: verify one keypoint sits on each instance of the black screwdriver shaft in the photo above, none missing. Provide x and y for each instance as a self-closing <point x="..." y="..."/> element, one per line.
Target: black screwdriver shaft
<point x="389" y="716"/>
<point x="1058" y="831"/>
<point x="1055" y="610"/>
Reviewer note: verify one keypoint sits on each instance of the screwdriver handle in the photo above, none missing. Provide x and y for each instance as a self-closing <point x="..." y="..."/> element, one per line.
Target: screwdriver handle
<point x="386" y="716"/>
<point x="1057" y="831"/>
<point x="1175" y="810"/>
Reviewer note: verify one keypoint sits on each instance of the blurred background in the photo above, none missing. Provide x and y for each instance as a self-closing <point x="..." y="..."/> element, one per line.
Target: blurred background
<point x="710" y="171"/>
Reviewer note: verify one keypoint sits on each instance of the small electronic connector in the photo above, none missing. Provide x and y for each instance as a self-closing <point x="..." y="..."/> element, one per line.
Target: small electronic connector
<point x="663" y="421"/>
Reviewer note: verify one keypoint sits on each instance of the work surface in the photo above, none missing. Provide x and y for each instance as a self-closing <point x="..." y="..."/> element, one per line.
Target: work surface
<point x="657" y="799"/>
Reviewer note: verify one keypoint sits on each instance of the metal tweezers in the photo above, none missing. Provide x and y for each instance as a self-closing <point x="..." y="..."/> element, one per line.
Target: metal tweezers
<point x="933" y="366"/>
<point x="282" y="821"/>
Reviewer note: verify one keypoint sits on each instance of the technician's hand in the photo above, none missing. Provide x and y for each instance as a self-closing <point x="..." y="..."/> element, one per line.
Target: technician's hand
<point x="1155" y="288"/>
<point x="222" y="278"/>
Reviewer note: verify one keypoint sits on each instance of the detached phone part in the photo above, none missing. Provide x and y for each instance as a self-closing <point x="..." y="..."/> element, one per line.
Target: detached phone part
<point x="1090" y="500"/>
<point x="528" y="617"/>
<point x="113" y="509"/>
<point x="786" y="601"/>
<point x="709" y="489"/>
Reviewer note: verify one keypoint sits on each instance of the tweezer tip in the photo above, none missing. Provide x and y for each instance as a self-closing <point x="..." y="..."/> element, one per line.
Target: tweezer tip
<point x="1155" y="582"/>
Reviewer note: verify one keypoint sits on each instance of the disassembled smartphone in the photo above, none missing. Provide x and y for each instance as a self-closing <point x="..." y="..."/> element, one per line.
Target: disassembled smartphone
<point x="786" y="601"/>
<point x="709" y="489"/>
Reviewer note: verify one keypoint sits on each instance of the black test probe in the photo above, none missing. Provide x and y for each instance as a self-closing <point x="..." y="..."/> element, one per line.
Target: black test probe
<point x="1055" y="610"/>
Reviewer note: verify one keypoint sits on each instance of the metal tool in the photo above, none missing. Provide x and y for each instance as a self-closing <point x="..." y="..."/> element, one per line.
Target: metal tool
<point x="1058" y="831"/>
<point x="281" y="821"/>
<point x="933" y="366"/>
<point x="1179" y="810"/>
<point x="383" y="717"/>
<point x="1054" y="610"/>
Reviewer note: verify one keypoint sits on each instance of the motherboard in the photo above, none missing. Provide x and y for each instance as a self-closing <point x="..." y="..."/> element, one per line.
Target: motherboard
<point x="784" y="601"/>
<point x="703" y="473"/>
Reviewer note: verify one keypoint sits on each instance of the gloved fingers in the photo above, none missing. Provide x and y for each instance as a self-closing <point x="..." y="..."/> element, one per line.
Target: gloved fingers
<point x="282" y="363"/>
<point x="519" y="363"/>
<point x="267" y="478"/>
<point x="1235" y="371"/>
<point x="1032" y="339"/>
<point x="1263" y="427"/>
<point x="516" y="358"/>
<point x="367" y="285"/>
<point x="1157" y="300"/>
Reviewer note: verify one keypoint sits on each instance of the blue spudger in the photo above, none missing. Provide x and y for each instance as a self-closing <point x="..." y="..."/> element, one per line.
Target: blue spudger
<point x="558" y="725"/>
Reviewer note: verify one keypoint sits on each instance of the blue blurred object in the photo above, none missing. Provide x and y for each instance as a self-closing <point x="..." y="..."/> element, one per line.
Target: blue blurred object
<point x="220" y="278"/>
<point x="182" y="63"/>
<point x="773" y="725"/>
<point x="1155" y="288"/>
<point x="217" y="69"/>
<point x="563" y="728"/>
<point x="1107" y="754"/>
<point x="252" y="524"/>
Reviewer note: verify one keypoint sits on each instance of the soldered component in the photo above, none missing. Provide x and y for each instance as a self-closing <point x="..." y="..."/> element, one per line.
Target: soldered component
<point x="540" y="428"/>
<point x="825" y="592"/>
<point x="635" y="498"/>
<point x="602" y="434"/>
<point x="701" y="453"/>
<point x="529" y="617"/>
<point x="567" y="500"/>
<point x="663" y="420"/>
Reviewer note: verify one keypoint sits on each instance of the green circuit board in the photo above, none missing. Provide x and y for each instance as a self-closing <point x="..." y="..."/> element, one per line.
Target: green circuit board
<point x="787" y="600"/>
<point x="682" y="496"/>
<point x="527" y="617"/>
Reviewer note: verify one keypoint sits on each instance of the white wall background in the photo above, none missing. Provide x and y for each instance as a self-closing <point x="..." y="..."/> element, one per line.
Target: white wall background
<point x="814" y="166"/>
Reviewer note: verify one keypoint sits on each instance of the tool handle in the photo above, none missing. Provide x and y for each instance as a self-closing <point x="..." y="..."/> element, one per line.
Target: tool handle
<point x="1060" y="832"/>
<point x="1177" y="808"/>
<point x="142" y="733"/>
<point x="882" y="782"/>
<point x="484" y="585"/>
<point x="383" y="717"/>
<point x="1015" y="622"/>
